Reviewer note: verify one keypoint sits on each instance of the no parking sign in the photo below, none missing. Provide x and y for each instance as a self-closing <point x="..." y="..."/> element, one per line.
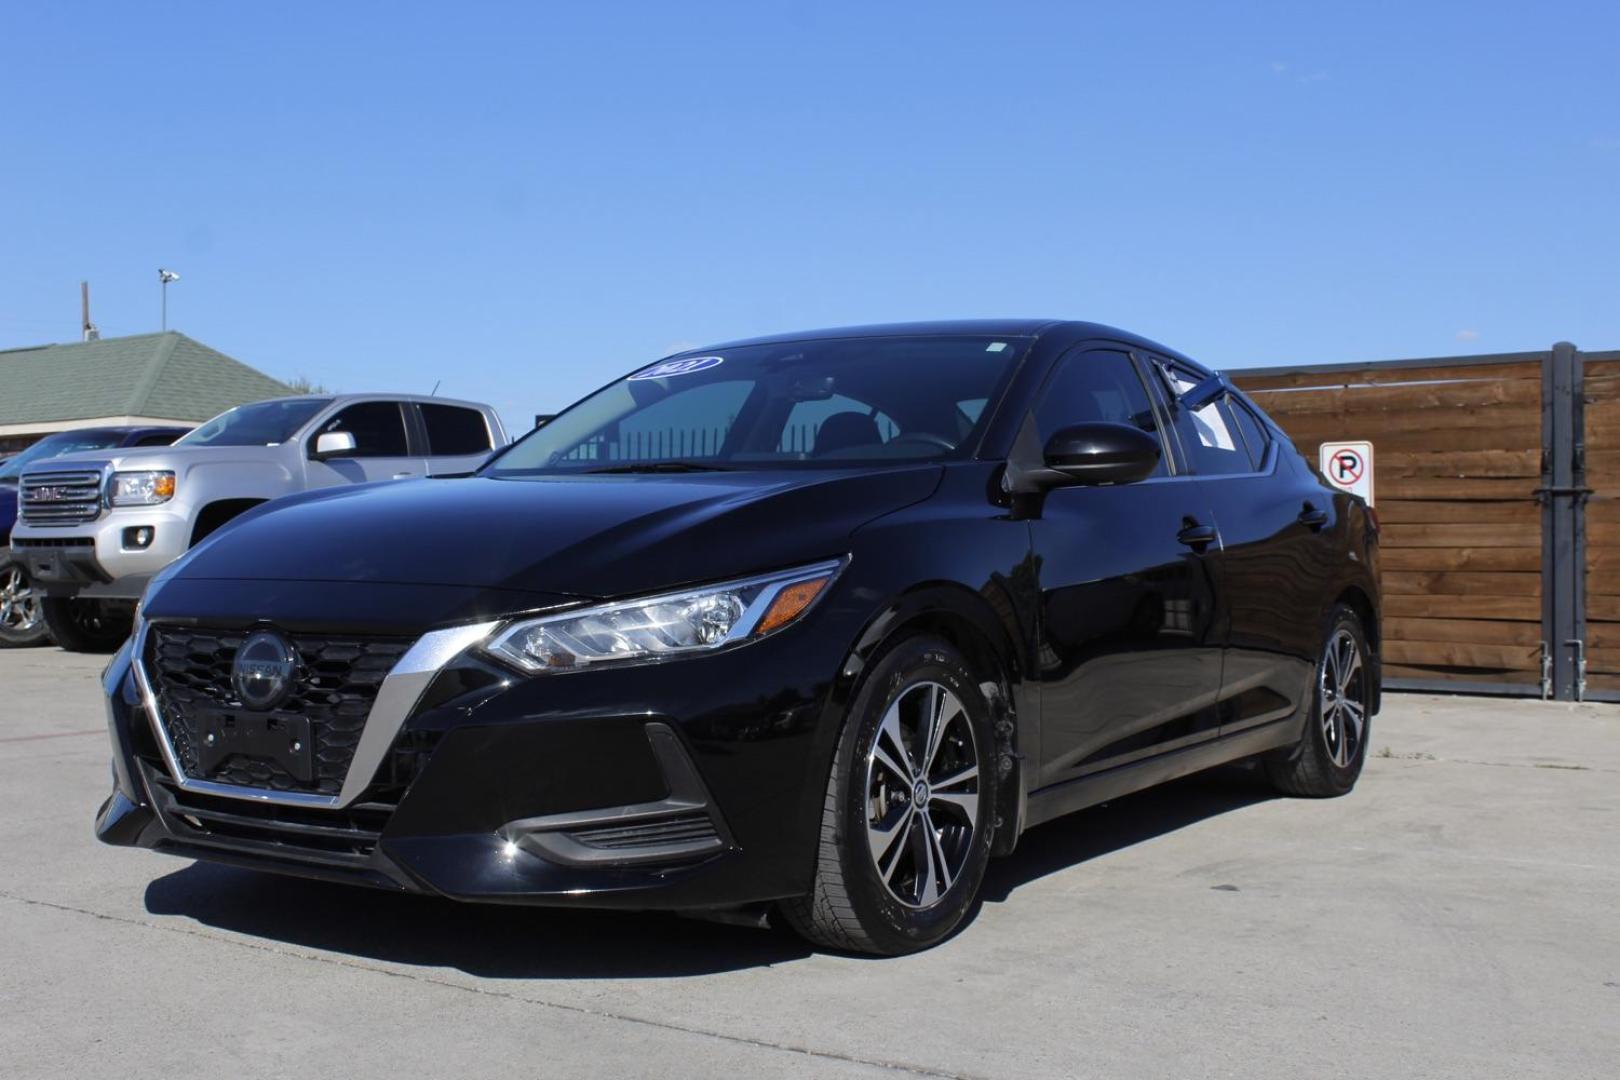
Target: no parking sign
<point x="1348" y="466"/>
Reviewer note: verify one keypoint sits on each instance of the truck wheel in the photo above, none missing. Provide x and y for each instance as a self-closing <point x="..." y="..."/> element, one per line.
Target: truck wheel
<point x="22" y="619"/>
<point x="90" y="626"/>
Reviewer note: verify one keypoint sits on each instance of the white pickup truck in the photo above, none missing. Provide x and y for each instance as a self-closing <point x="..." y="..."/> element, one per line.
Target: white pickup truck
<point x="93" y="528"/>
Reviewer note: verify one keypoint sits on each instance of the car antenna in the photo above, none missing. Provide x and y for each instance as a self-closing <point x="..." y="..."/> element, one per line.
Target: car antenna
<point x="435" y="391"/>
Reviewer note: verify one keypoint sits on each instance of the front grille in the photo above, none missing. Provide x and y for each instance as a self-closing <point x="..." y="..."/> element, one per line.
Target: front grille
<point x="691" y="827"/>
<point x="56" y="542"/>
<point x="66" y="497"/>
<point x="336" y="683"/>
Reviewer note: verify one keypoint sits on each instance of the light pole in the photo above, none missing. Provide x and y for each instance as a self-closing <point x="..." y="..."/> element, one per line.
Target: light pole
<point x="164" y="277"/>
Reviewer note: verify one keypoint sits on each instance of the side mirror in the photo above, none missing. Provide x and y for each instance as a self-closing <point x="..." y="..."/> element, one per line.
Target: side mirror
<point x="331" y="444"/>
<point x="1102" y="453"/>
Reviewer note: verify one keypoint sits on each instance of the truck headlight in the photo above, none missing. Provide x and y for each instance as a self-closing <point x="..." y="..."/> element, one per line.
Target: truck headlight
<point x="147" y="488"/>
<point x="663" y="627"/>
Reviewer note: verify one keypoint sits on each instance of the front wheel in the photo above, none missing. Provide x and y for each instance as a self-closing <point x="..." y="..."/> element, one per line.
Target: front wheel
<point x="93" y="626"/>
<point x="22" y="616"/>
<point x="1328" y="758"/>
<point x="909" y="808"/>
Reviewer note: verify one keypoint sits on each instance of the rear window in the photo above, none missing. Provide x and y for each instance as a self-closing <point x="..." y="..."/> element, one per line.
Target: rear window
<point x="453" y="430"/>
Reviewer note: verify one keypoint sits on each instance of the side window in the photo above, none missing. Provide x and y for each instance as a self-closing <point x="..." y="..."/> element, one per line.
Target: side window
<point x="860" y="425"/>
<point x="1096" y="386"/>
<point x="377" y="426"/>
<point x="1208" y="436"/>
<point x="1255" y="436"/>
<point x="452" y="430"/>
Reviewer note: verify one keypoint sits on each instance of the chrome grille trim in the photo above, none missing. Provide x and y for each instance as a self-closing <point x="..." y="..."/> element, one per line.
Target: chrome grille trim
<point x="60" y="496"/>
<point x="396" y="699"/>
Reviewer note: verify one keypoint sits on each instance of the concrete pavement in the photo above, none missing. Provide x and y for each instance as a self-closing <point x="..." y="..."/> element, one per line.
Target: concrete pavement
<point x="1455" y="916"/>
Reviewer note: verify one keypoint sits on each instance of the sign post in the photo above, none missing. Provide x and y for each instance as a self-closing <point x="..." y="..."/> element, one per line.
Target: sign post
<point x="1348" y="466"/>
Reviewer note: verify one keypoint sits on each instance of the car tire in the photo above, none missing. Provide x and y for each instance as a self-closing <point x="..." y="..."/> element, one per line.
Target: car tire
<point x="904" y="888"/>
<point x="1328" y="758"/>
<point x="22" y="615"/>
<point x="88" y="626"/>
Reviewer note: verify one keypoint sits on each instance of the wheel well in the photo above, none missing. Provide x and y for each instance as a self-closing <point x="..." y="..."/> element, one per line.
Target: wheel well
<point x="1359" y="602"/>
<point x="218" y="513"/>
<point x="986" y="661"/>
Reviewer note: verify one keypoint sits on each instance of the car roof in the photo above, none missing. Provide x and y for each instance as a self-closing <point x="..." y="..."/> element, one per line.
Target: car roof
<point x="346" y="399"/>
<point x="124" y="429"/>
<point x="1071" y="329"/>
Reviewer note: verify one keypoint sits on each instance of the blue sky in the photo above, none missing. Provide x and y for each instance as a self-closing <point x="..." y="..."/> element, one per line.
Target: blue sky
<point x="526" y="200"/>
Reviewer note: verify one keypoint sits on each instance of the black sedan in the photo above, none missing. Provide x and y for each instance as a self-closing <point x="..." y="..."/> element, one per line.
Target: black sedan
<point x="813" y="624"/>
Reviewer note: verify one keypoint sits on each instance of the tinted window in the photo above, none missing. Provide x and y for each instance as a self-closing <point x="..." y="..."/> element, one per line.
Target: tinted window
<point x="861" y="401"/>
<point x="156" y="440"/>
<point x="377" y="427"/>
<point x="454" y="430"/>
<point x="1092" y="387"/>
<point x="1249" y="427"/>
<point x="1208" y="436"/>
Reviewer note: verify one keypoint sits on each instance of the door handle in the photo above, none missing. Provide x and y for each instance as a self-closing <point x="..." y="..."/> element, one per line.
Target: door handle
<point x="1197" y="536"/>
<point x="1312" y="518"/>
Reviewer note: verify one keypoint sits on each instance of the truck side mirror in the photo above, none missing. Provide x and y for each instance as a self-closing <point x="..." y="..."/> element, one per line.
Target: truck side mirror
<point x="331" y="444"/>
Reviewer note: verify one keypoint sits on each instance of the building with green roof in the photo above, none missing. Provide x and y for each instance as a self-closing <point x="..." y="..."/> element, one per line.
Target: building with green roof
<point x="143" y="379"/>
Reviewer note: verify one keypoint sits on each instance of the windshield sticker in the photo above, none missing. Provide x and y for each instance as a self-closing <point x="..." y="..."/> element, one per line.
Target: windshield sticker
<point x="996" y="346"/>
<point x="684" y="366"/>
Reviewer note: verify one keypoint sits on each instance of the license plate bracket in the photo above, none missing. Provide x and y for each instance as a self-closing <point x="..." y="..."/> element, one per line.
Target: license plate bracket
<point x="284" y="738"/>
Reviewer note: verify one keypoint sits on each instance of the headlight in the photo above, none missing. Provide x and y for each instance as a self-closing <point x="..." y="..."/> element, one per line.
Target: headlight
<point x="662" y="627"/>
<point x="140" y="488"/>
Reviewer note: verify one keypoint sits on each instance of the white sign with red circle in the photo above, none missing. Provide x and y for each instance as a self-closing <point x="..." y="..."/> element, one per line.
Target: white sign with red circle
<point x="1348" y="466"/>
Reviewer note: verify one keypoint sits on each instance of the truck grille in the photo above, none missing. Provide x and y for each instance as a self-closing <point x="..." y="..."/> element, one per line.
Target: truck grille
<point x="61" y="498"/>
<point x="336" y="683"/>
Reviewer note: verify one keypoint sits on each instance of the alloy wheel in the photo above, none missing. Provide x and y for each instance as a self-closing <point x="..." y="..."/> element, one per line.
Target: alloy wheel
<point x="922" y="794"/>
<point x="1342" y="698"/>
<point x="20" y="609"/>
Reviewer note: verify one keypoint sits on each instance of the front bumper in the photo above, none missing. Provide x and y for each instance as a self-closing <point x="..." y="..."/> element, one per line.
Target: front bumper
<point x="93" y="560"/>
<point x="691" y="784"/>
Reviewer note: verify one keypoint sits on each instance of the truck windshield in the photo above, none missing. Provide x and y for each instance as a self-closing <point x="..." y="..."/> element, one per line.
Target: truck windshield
<point x="265" y="423"/>
<point x="804" y="404"/>
<point x="67" y="442"/>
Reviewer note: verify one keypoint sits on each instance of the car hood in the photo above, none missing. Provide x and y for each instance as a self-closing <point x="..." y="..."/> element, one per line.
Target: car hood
<point x="583" y="536"/>
<point x="156" y="457"/>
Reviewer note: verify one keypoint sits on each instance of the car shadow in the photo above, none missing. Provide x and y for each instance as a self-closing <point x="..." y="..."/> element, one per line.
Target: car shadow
<point x="1097" y="831"/>
<point x="506" y="942"/>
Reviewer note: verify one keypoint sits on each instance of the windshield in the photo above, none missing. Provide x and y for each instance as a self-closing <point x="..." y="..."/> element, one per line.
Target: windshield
<point x="266" y="423"/>
<point x="66" y="442"/>
<point x="848" y="401"/>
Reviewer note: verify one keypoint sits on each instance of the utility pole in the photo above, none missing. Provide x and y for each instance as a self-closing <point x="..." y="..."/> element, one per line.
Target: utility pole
<point x="164" y="277"/>
<point x="88" y="328"/>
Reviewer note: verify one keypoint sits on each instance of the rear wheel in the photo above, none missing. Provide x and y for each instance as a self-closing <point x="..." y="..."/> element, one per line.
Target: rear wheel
<point x="1329" y="756"/>
<point x="22" y="617"/>
<point x="909" y="808"/>
<point x="93" y="626"/>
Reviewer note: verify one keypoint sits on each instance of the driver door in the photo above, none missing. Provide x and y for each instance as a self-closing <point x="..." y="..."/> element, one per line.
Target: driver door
<point x="1129" y="663"/>
<point x="382" y="448"/>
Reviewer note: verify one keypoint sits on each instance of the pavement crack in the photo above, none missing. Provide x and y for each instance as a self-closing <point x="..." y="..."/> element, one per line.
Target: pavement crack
<point x="508" y="995"/>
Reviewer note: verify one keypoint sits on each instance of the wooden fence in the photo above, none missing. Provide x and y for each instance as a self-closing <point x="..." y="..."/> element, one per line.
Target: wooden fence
<point x="1497" y="479"/>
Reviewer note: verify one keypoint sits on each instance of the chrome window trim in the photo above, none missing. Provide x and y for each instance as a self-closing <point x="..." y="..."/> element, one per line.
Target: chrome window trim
<point x="396" y="699"/>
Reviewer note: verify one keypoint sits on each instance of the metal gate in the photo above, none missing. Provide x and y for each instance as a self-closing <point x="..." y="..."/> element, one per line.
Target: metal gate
<point x="1491" y="537"/>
